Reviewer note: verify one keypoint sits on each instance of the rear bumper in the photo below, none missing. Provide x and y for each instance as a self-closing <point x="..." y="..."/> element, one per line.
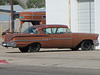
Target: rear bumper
<point x="96" y="42"/>
<point x="8" y="44"/>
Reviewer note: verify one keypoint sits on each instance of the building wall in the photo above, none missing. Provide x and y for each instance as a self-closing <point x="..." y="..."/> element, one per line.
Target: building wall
<point x="4" y="13"/>
<point x="74" y="18"/>
<point x="86" y="16"/>
<point x="97" y="18"/>
<point x="57" y="12"/>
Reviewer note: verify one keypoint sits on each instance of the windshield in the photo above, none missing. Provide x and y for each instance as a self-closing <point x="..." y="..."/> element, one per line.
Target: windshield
<point x="31" y="30"/>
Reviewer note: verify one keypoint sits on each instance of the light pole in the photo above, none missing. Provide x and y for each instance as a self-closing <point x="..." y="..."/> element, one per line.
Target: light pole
<point x="12" y="17"/>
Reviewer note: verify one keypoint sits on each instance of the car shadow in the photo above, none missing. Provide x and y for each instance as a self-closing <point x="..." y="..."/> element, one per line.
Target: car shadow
<point x="14" y="52"/>
<point x="41" y="51"/>
<point x="55" y="51"/>
<point x="50" y="50"/>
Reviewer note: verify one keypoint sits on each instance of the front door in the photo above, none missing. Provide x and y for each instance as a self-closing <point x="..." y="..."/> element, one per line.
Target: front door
<point x="61" y="39"/>
<point x="47" y="39"/>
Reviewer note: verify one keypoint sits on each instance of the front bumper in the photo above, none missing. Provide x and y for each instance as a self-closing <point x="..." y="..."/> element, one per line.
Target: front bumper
<point x="96" y="42"/>
<point x="8" y="44"/>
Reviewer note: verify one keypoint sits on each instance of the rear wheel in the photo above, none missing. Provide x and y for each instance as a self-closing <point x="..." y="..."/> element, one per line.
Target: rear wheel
<point x="34" y="47"/>
<point x="86" y="45"/>
<point x="24" y="49"/>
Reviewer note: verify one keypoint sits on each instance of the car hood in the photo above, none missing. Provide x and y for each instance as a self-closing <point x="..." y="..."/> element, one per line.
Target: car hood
<point x="86" y="35"/>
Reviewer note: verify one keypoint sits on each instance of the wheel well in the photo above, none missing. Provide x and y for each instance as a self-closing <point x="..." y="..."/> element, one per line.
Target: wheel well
<point x="85" y="40"/>
<point x="35" y="43"/>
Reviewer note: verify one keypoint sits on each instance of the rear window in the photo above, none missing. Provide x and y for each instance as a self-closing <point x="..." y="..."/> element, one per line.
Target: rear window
<point x="31" y="30"/>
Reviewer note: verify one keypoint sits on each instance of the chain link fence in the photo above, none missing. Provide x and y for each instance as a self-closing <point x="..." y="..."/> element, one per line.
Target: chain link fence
<point x="5" y="23"/>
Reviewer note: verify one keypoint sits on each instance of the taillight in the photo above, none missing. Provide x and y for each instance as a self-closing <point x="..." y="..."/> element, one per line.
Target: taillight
<point x="4" y="38"/>
<point x="14" y="39"/>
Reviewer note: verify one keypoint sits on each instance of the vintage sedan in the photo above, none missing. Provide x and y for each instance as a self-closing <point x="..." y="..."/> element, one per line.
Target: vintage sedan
<point x="49" y="36"/>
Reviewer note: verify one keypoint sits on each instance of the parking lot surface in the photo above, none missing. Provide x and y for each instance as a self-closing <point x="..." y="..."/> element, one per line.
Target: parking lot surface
<point x="52" y="58"/>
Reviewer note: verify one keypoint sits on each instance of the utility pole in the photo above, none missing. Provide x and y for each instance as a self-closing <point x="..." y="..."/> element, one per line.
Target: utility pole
<point x="69" y="14"/>
<point x="12" y="17"/>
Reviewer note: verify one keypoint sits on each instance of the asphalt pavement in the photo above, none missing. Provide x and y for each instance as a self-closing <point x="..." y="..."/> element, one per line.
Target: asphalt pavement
<point x="33" y="70"/>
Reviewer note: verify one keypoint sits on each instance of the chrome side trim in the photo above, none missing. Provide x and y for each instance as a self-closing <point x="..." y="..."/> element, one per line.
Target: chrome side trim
<point x="61" y="38"/>
<point x="44" y="39"/>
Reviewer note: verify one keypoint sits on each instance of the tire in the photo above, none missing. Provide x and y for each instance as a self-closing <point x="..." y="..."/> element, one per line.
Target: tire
<point x="74" y="49"/>
<point x="34" y="47"/>
<point x="24" y="49"/>
<point x="93" y="47"/>
<point x="86" y="45"/>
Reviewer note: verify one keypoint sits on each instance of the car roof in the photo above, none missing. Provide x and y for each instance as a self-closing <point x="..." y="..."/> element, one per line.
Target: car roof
<point x="47" y="26"/>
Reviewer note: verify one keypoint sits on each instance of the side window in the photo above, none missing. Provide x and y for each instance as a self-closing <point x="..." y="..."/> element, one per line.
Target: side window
<point x="47" y="31"/>
<point x="68" y="31"/>
<point x="54" y="30"/>
<point x="59" y="30"/>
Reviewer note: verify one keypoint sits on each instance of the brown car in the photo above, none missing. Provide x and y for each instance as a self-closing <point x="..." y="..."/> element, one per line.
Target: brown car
<point x="49" y="36"/>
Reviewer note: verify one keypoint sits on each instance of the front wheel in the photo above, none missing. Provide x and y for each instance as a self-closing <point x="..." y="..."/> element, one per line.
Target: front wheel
<point x="86" y="45"/>
<point x="74" y="49"/>
<point x="24" y="49"/>
<point x="34" y="47"/>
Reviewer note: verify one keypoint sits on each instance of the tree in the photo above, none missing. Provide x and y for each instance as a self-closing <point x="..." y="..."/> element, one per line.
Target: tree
<point x="1" y="3"/>
<point x="7" y="2"/>
<point x="35" y="3"/>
